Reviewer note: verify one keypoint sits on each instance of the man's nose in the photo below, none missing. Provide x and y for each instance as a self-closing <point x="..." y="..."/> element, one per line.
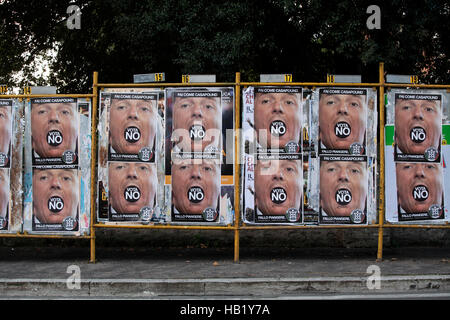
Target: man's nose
<point x="196" y="173"/>
<point x="419" y="172"/>
<point x="278" y="176"/>
<point x="133" y="113"/>
<point x="197" y="111"/>
<point x="55" y="183"/>
<point x="53" y="116"/>
<point x="277" y="107"/>
<point x="343" y="176"/>
<point x="417" y="113"/>
<point x="131" y="172"/>
<point x="342" y="108"/>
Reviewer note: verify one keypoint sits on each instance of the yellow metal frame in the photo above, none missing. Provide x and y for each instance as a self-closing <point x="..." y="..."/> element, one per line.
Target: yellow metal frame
<point x="238" y="224"/>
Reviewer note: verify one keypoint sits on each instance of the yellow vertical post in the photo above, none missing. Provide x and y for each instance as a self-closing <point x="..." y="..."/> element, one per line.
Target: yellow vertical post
<point x="382" y="194"/>
<point x="94" y="110"/>
<point x="237" y="216"/>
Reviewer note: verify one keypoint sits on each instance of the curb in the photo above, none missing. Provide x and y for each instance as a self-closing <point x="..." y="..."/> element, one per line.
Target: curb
<point x="254" y="287"/>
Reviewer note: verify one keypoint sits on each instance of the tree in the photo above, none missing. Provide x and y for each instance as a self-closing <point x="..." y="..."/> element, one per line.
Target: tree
<point x="119" y="38"/>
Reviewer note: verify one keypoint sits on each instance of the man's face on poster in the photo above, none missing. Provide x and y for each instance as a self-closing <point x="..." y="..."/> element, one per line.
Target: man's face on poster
<point x="195" y="185"/>
<point x="278" y="186"/>
<point x="419" y="185"/>
<point x="4" y="192"/>
<point x="342" y="120"/>
<point x="417" y="125"/>
<point x="132" y="186"/>
<point x="277" y="118"/>
<point x="55" y="194"/>
<point x="54" y="128"/>
<point x="343" y="187"/>
<point x="197" y="123"/>
<point x="5" y="128"/>
<point x="132" y="125"/>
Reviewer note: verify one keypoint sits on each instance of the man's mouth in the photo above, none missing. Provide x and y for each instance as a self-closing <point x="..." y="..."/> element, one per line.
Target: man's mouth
<point x="54" y="138"/>
<point x="343" y="196"/>
<point x="278" y="195"/>
<point x="418" y="134"/>
<point x="132" y="134"/>
<point x="195" y="194"/>
<point x="342" y="129"/>
<point x="55" y="204"/>
<point x="132" y="193"/>
<point x="277" y="128"/>
<point x="197" y="132"/>
<point x="420" y="193"/>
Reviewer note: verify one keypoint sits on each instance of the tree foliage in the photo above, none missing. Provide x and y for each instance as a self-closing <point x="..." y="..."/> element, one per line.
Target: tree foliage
<point x="119" y="38"/>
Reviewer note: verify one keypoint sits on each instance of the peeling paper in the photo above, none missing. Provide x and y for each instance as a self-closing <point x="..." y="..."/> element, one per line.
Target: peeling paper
<point x="364" y="153"/>
<point x="63" y="178"/>
<point x="204" y="145"/>
<point x="435" y="182"/>
<point x="272" y="163"/>
<point x="141" y="200"/>
<point x="11" y="193"/>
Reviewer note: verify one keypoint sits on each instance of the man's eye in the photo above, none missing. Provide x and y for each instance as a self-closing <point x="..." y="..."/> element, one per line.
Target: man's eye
<point x="143" y="168"/>
<point x="67" y="178"/>
<point x="208" y="107"/>
<point x="331" y="169"/>
<point x="406" y="107"/>
<point x="289" y="102"/>
<point x="65" y="112"/>
<point x="183" y="167"/>
<point x="265" y="101"/>
<point x="119" y="167"/>
<point x="120" y="107"/>
<point x="330" y="102"/>
<point x="145" y="109"/>
<point x="355" y="171"/>
<point x="41" y="111"/>
<point x="43" y="178"/>
<point x="184" y="105"/>
<point x="354" y="104"/>
<point x="207" y="169"/>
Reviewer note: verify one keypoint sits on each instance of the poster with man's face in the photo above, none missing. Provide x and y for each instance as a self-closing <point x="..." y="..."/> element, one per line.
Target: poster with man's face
<point x="6" y="120"/>
<point x="275" y="116"/>
<point x="196" y="190"/>
<point x="342" y="121"/>
<point x="420" y="191"/>
<point x="56" y="200"/>
<point x="418" y="127"/>
<point x="4" y="198"/>
<point x="132" y="190"/>
<point x="343" y="190"/>
<point x="132" y="127"/>
<point x="278" y="190"/>
<point x="54" y="131"/>
<point x="195" y="120"/>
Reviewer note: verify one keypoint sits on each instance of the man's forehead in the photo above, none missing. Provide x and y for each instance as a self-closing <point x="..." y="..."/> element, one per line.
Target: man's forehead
<point x="54" y="172"/>
<point x="343" y="164"/>
<point x="63" y="104"/>
<point x="132" y="101"/>
<point x="418" y="102"/>
<point x="7" y="108"/>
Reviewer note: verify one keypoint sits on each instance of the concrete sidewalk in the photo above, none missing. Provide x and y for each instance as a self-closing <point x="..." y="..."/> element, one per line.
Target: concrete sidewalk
<point x="155" y="273"/>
